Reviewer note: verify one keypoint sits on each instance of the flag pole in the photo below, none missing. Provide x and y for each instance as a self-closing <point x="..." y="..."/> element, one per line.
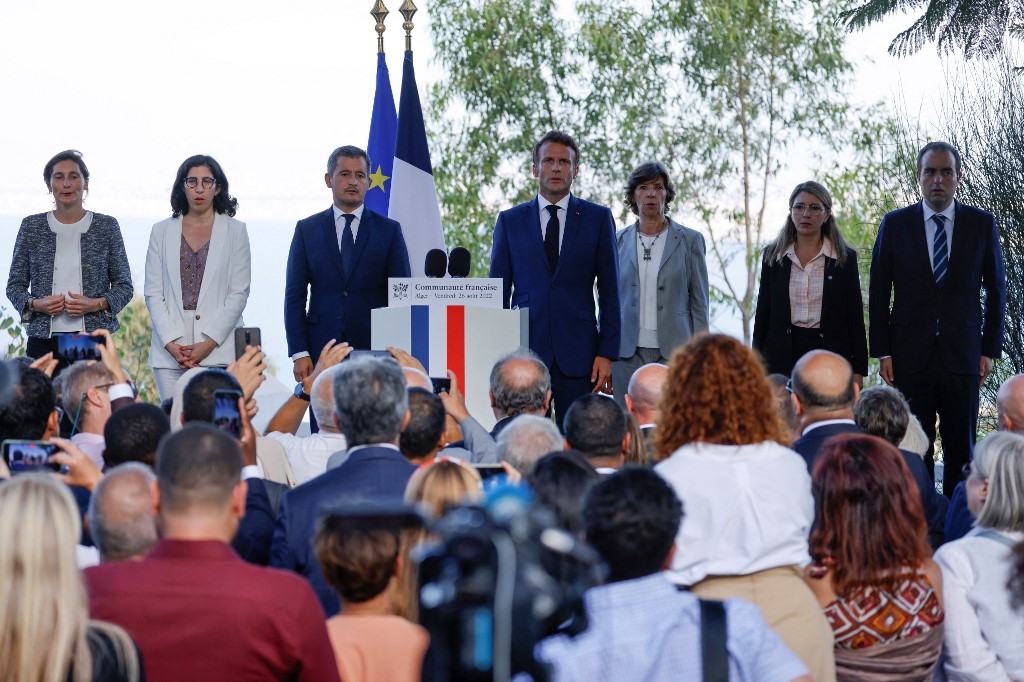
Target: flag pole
<point x="379" y="13"/>
<point x="408" y="9"/>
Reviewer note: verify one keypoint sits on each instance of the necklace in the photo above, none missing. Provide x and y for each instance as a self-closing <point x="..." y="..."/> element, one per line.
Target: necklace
<point x="647" y="247"/>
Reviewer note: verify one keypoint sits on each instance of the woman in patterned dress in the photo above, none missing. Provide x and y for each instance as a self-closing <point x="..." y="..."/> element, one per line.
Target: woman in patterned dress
<point x="871" y="567"/>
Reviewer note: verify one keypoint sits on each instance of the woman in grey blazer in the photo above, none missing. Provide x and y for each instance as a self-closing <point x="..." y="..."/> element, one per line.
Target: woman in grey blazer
<point x="663" y="277"/>
<point x="197" y="275"/>
<point x="69" y="272"/>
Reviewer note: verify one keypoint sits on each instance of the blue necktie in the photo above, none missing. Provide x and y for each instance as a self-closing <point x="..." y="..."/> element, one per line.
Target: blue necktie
<point x="940" y="251"/>
<point x="348" y="244"/>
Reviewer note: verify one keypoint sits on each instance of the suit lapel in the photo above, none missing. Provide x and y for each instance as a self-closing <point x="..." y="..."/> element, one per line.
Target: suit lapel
<point x="674" y="238"/>
<point x="571" y="228"/>
<point x="218" y="244"/>
<point x="629" y="244"/>
<point x="362" y="237"/>
<point x="919" y="241"/>
<point x="533" y="229"/>
<point x="330" y="237"/>
<point x="172" y="256"/>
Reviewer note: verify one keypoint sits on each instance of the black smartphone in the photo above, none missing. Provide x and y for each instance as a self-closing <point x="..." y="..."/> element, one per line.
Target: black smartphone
<point x="487" y="471"/>
<point x="225" y="411"/>
<point x="369" y="354"/>
<point x="75" y="347"/>
<point x="246" y="336"/>
<point x="441" y="384"/>
<point x="25" y="456"/>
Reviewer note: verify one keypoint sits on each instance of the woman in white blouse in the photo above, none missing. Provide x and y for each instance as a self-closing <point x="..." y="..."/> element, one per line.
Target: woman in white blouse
<point x="197" y="275"/>
<point x="746" y="497"/>
<point x="984" y="634"/>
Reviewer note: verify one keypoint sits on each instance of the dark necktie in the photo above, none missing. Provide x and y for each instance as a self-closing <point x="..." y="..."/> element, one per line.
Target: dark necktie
<point x="551" y="237"/>
<point x="348" y="244"/>
<point x="940" y="251"/>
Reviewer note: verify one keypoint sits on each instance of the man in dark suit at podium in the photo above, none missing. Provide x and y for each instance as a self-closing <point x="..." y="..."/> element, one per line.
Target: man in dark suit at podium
<point x="935" y="342"/>
<point x="549" y="251"/>
<point x="339" y="261"/>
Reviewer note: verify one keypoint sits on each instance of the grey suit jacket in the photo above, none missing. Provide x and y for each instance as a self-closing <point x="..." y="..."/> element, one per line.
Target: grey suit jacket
<point x="683" y="303"/>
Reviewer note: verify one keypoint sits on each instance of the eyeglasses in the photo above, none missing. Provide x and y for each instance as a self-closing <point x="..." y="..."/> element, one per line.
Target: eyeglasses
<point x="968" y="470"/>
<point x="813" y="209"/>
<point x="789" y="385"/>
<point x="192" y="182"/>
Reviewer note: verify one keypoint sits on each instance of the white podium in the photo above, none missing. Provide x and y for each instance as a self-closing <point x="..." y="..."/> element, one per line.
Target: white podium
<point x="457" y="325"/>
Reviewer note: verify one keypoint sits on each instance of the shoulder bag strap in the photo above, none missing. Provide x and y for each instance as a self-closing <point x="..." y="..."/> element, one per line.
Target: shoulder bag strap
<point x="714" y="654"/>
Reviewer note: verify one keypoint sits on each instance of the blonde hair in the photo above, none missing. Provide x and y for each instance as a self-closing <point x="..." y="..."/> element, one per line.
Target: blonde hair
<point x="44" y="617"/>
<point x="436" y="487"/>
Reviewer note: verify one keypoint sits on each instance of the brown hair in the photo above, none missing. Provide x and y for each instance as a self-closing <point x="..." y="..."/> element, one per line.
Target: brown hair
<point x="358" y="563"/>
<point x="716" y="392"/>
<point x="870" y="528"/>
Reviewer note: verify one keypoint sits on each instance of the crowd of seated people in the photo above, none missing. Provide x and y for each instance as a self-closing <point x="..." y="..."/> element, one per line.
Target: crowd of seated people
<point x="807" y="534"/>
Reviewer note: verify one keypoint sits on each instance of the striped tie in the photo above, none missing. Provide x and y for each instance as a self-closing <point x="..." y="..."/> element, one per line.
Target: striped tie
<point x="940" y="257"/>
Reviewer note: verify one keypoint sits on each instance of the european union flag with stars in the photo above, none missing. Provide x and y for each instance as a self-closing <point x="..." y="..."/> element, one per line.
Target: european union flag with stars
<point x="381" y="145"/>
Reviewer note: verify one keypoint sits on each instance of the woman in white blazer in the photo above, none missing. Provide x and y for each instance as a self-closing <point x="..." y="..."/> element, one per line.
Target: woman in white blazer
<point x="197" y="275"/>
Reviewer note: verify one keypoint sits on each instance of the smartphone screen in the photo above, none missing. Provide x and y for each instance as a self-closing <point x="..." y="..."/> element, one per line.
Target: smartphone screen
<point x="24" y="456"/>
<point x="225" y="412"/>
<point x="75" y="347"/>
<point x="369" y="354"/>
<point x="444" y="384"/>
<point x="487" y="471"/>
<point x="246" y="336"/>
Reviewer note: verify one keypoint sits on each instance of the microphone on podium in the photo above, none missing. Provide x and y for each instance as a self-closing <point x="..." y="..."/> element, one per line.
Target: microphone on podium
<point x="435" y="262"/>
<point x="458" y="262"/>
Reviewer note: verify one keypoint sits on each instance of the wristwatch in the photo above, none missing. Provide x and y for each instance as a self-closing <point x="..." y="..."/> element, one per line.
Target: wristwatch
<point x="301" y="394"/>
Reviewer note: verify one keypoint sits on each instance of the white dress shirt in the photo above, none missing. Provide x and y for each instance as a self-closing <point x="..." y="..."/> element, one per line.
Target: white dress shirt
<point x="308" y="455"/>
<point x="563" y="208"/>
<point x="67" y="267"/>
<point x="747" y="508"/>
<point x="929" y="230"/>
<point x="647" y="336"/>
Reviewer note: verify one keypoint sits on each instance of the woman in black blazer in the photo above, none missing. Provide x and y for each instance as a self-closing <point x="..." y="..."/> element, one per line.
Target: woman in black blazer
<point x="810" y="295"/>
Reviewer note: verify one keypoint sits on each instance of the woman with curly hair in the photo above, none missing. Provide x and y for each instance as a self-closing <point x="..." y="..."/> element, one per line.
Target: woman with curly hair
<point x="722" y="446"/>
<point x="45" y="631"/>
<point x="197" y="275"/>
<point x="871" y="569"/>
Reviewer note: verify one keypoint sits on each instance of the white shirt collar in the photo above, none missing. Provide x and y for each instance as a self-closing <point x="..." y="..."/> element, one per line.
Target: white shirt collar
<point x="562" y="203"/>
<point x="358" y="213"/>
<point x="949" y="213"/>
<point x="827" y="422"/>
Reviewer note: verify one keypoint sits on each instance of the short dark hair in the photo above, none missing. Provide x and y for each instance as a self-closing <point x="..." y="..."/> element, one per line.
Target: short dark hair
<point x="358" y="563"/>
<point x="514" y="398"/>
<point x="26" y="414"/>
<point x="66" y="155"/>
<point x="348" y="151"/>
<point x="882" y="411"/>
<point x="595" y="425"/>
<point x="198" y="466"/>
<point x="133" y="433"/>
<point x="648" y="172"/>
<point x="631" y="518"/>
<point x="941" y="146"/>
<point x="560" y="481"/>
<point x="197" y="398"/>
<point x="426" y="424"/>
<point x="222" y="202"/>
<point x="560" y="138"/>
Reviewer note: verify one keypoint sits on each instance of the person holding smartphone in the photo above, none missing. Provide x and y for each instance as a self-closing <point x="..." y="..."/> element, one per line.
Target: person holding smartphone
<point x="69" y="272"/>
<point x="197" y="275"/>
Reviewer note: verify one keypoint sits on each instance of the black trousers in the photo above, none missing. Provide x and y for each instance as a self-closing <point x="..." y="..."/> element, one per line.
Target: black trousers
<point x="953" y="398"/>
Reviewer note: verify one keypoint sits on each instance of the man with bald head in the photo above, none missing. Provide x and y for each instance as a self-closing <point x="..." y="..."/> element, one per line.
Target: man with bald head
<point x="642" y="398"/>
<point x="120" y="516"/>
<point x="824" y="392"/>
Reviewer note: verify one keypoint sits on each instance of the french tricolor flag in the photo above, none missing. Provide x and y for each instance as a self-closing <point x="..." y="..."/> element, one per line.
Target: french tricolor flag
<point x="413" y="193"/>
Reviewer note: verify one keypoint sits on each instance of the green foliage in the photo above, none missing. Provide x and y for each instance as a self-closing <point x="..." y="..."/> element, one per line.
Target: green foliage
<point x="721" y="91"/>
<point x="978" y="27"/>
<point x="16" y="338"/>
<point x="133" y="339"/>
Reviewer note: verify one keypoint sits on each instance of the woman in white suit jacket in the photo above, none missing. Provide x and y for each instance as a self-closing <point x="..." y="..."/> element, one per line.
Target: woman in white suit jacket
<point x="197" y="275"/>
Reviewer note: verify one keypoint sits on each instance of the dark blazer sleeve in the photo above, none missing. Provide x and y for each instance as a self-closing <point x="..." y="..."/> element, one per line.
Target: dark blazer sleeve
<point x="398" y="256"/>
<point x="281" y="553"/>
<point x="256" y="529"/>
<point x="993" y="281"/>
<point x="608" y="289"/>
<point x="119" y="273"/>
<point x="880" y="292"/>
<point x="501" y="259"/>
<point x="296" y="289"/>
<point x="855" y="315"/>
<point x="762" y="310"/>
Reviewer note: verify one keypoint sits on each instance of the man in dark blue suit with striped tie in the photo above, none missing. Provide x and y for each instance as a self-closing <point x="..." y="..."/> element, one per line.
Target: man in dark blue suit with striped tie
<point x="936" y="340"/>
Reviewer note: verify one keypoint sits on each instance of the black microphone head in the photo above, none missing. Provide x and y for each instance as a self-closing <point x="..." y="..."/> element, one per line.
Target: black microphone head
<point x="435" y="262"/>
<point x="458" y="262"/>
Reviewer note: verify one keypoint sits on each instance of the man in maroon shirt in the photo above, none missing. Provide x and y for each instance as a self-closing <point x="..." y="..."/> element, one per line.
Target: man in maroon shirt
<point x="195" y="609"/>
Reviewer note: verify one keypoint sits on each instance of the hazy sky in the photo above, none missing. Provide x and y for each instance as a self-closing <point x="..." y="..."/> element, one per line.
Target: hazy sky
<point x="268" y="88"/>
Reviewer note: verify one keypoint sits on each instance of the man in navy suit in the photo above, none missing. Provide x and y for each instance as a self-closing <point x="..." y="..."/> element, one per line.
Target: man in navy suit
<point x="341" y="260"/>
<point x="935" y="342"/>
<point x="549" y="251"/>
<point x="371" y="406"/>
